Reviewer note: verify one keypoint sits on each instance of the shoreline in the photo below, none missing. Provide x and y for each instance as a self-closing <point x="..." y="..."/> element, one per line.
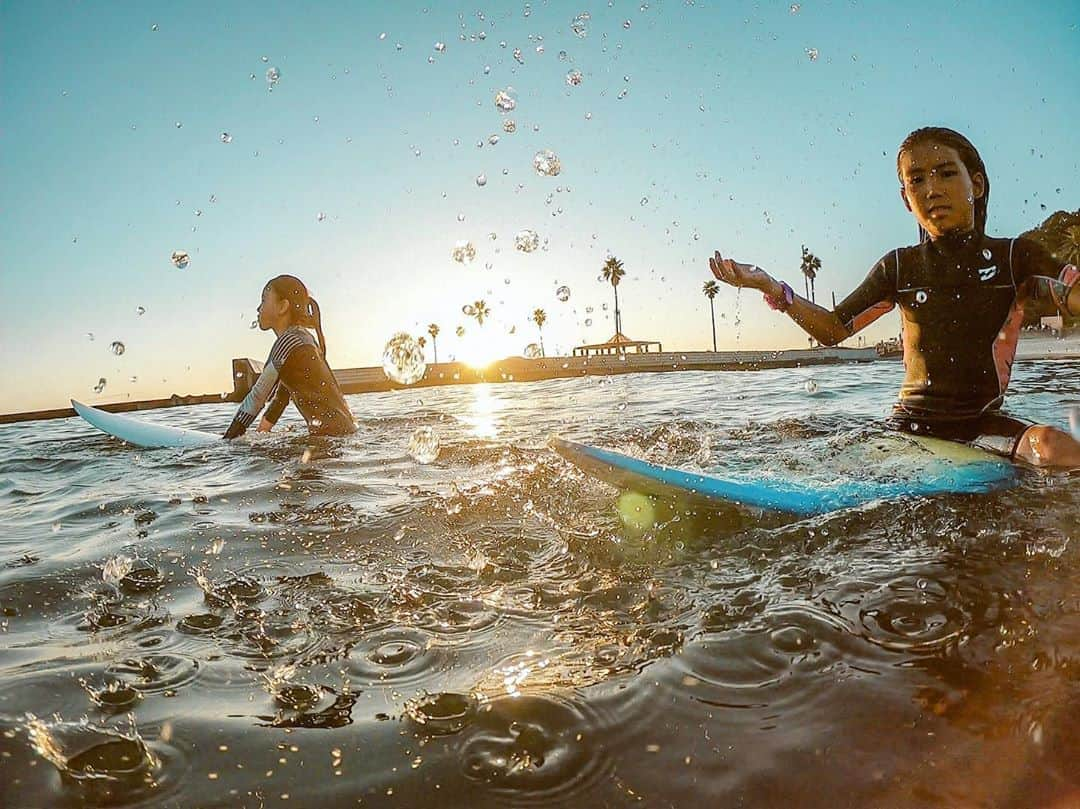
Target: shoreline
<point x="519" y="369"/>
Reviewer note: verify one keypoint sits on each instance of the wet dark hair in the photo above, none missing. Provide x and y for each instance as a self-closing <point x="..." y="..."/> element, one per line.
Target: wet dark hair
<point x="304" y="308"/>
<point x="969" y="156"/>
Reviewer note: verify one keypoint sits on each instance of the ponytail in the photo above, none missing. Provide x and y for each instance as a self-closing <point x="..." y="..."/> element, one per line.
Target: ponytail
<point x="314" y="320"/>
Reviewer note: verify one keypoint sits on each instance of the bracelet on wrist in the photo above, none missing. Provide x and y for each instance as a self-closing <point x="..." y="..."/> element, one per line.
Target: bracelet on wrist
<point x="782" y="302"/>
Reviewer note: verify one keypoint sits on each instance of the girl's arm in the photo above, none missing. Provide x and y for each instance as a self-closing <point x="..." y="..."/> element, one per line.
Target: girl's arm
<point x="253" y="402"/>
<point x="823" y="325"/>
<point x="278" y="403"/>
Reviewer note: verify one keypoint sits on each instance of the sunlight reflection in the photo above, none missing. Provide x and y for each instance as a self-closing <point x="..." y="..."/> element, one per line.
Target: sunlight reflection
<point x="483" y="416"/>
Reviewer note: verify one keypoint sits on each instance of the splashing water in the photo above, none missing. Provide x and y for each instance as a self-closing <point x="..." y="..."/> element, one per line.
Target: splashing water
<point x="547" y="163"/>
<point x="424" y="445"/>
<point x="579" y="25"/>
<point x="505" y="102"/>
<point x="403" y="359"/>
<point x="526" y="241"/>
<point x="116" y="568"/>
<point x="464" y="250"/>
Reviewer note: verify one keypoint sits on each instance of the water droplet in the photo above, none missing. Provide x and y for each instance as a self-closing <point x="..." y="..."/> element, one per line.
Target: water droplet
<point x="526" y="241"/>
<point x="987" y="254"/>
<point x="626" y="24"/>
<point x="920" y="296"/>
<point x="795" y="8"/>
<point x="468" y="310"/>
<point x="463" y="251"/>
<point x="460" y="331"/>
<point x="563" y="294"/>
<point x="273" y="76"/>
<point x="254" y="324"/>
<point x="320" y="217"/>
<point x="504" y="101"/>
<point x="226" y="137"/>
<point x="493" y="139"/>
<point x="547" y="163"/>
<point x="440" y="47"/>
<point x="403" y="359"/>
<point x="575" y="77"/>
<point x="579" y="25"/>
<point x="588" y="321"/>
<point x="812" y="53"/>
<point x="180" y="259"/>
<point x="100" y="386"/>
<point x="90" y="336"/>
<point x="811" y="387"/>
<point x="518" y="56"/>
<point x="509" y="127"/>
<point x="154" y="27"/>
<point x="424" y="445"/>
<point x="382" y="36"/>
<point x="481" y="180"/>
<point x="140" y="310"/>
<point x="117" y="348"/>
<point x="179" y="124"/>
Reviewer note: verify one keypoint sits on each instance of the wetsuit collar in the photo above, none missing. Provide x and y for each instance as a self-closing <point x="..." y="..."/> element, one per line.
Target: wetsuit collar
<point x="952" y="243"/>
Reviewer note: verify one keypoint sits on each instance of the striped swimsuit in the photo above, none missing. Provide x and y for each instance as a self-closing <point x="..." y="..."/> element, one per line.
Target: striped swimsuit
<point x="296" y="371"/>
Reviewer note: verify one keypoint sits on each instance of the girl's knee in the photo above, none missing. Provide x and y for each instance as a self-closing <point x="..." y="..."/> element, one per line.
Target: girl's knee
<point x="1048" y="446"/>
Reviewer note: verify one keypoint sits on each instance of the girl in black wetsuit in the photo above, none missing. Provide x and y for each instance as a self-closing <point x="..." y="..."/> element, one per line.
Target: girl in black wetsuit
<point x="296" y="369"/>
<point x="961" y="296"/>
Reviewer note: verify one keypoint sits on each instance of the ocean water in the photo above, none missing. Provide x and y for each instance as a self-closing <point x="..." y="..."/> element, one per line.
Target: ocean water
<point x="311" y="622"/>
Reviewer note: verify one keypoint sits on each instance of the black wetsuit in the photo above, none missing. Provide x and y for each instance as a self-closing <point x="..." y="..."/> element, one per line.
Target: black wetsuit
<point x="296" y="370"/>
<point x="962" y="304"/>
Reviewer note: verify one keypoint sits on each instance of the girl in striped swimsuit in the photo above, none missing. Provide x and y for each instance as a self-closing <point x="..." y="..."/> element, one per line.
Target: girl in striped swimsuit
<point x="296" y="369"/>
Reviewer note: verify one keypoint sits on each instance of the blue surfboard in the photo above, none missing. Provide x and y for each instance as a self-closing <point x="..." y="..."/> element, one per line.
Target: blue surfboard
<point x="905" y="465"/>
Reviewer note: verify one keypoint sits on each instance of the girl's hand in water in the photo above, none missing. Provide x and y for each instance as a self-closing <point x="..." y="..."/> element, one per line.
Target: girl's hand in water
<point x="265" y="426"/>
<point x="738" y="275"/>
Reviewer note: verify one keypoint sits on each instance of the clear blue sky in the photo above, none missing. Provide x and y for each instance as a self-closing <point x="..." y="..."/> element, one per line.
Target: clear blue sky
<point x="731" y="133"/>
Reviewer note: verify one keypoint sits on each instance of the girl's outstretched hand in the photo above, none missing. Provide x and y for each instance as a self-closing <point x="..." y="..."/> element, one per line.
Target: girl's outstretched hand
<point x="738" y="275"/>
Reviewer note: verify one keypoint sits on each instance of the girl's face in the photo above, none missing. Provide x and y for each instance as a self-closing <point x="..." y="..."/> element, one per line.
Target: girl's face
<point x="938" y="189"/>
<point x="272" y="310"/>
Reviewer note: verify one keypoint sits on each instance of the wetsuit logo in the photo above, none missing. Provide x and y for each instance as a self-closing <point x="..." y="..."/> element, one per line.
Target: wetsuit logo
<point x="986" y="273"/>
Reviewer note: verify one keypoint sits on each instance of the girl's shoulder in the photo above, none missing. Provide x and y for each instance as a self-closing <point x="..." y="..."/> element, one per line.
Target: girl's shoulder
<point x="288" y="341"/>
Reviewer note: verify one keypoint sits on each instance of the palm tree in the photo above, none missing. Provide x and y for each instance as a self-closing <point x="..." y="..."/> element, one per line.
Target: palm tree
<point x="433" y="330"/>
<point x="480" y="310"/>
<point x="613" y="273"/>
<point x="539" y="317"/>
<point x="421" y="341"/>
<point x="710" y="289"/>
<point x="810" y="265"/>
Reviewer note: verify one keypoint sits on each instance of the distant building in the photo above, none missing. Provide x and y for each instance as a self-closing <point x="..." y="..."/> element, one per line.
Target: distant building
<point x="619" y="344"/>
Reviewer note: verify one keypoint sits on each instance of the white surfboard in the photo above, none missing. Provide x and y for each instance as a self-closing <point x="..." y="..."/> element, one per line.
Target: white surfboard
<point x="140" y="433"/>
